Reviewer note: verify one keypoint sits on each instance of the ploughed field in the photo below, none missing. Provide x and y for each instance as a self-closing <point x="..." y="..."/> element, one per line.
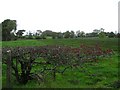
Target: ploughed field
<point x="63" y="63"/>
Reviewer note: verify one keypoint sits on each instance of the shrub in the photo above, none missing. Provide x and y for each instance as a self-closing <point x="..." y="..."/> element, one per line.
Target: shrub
<point x="23" y="58"/>
<point x="38" y="37"/>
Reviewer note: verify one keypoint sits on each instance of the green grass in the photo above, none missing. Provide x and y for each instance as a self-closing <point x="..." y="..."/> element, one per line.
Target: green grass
<point x="101" y="74"/>
<point x="105" y="43"/>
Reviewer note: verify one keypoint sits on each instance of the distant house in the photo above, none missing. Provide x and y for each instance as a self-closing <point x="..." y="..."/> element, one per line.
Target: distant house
<point x="96" y="31"/>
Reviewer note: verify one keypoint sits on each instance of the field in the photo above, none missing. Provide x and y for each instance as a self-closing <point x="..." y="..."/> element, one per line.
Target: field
<point x="101" y="74"/>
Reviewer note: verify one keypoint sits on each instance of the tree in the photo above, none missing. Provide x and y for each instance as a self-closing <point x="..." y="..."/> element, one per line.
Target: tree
<point x="8" y="26"/>
<point x="54" y="35"/>
<point x="13" y="36"/>
<point x="97" y="31"/>
<point x="93" y="34"/>
<point x="20" y="33"/>
<point x="72" y="34"/>
<point x="78" y="33"/>
<point x="47" y="33"/>
<point x="118" y="35"/>
<point x="82" y="34"/>
<point x="67" y="34"/>
<point x="58" y="34"/>
<point x="38" y="33"/>
<point x="102" y="29"/>
<point x="30" y="35"/>
<point x="111" y="35"/>
<point x="102" y="35"/>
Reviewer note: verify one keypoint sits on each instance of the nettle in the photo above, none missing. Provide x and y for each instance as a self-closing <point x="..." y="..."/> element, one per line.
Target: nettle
<point x="24" y="58"/>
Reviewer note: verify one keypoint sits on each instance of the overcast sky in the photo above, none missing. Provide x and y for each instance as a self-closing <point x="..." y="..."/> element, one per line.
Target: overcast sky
<point x="61" y="15"/>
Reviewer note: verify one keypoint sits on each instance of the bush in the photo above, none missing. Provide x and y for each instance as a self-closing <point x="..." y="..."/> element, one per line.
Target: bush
<point x="24" y="58"/>
<point x="38" y="37"/>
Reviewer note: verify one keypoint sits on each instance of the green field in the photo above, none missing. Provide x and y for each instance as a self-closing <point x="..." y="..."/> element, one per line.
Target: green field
<point x="102" y="74"/>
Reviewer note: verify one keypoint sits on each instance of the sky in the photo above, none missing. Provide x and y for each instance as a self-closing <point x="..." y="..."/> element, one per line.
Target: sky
<point x="61" y="15"/>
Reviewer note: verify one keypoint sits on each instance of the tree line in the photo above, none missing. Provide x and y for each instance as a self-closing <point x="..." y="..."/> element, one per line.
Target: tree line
<point x="10" y="32"/>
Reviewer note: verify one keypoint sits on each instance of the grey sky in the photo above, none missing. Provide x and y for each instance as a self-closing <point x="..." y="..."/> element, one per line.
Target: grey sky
<point x="61" y="15"/>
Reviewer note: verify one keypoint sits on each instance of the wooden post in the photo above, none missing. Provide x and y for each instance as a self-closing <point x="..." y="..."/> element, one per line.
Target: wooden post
<point x="0" y="68"/>
<point x="8" y="74"/>
<point x="54" y="73"/>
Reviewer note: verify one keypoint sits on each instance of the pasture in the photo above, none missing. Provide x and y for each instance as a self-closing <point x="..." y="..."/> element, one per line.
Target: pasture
<point x="100" y="74"/>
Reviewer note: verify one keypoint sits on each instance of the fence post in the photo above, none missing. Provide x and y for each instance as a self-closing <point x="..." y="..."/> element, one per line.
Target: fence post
<point x="0" y="68"/>
<point x="54" y="73"/>
<point x="8" y="74"/>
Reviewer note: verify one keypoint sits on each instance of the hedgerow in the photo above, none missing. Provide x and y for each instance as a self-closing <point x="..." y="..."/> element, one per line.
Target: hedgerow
<point x="23" y="59"/>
